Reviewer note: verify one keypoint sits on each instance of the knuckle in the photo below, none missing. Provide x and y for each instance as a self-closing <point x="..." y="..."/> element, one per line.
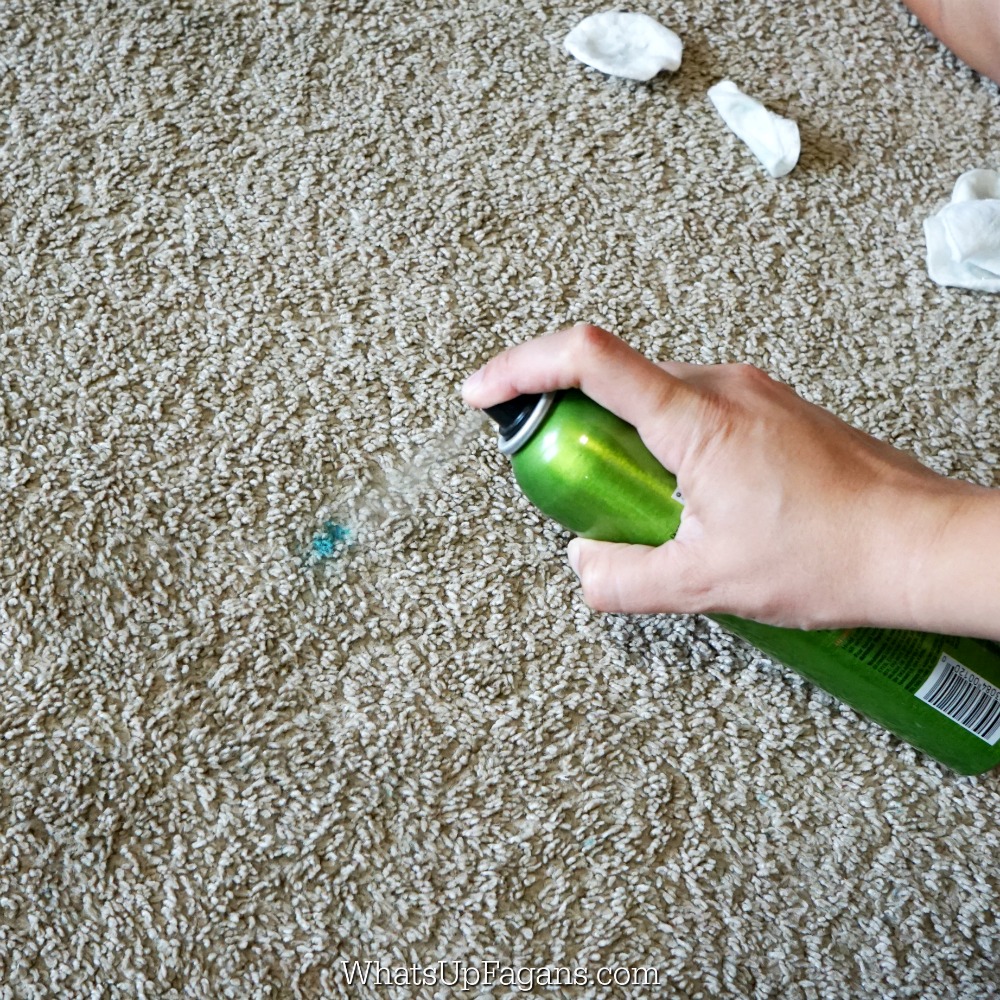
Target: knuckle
<point x="592" y="342"/>
<point x="750" y="374"/>
<point x="695" y="589"/>
<point x="503" y="362"/>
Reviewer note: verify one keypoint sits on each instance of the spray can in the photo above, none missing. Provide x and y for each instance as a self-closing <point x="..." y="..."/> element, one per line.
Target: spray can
<point x="589" y="470"/>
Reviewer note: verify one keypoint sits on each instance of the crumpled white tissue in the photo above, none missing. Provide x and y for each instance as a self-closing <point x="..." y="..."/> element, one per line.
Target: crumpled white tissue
<point x="632" y="46"/>
<point x="772" y="139"/>
<point x="963" y="239"/>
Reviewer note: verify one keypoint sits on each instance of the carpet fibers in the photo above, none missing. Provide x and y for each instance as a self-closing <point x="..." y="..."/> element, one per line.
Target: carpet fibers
<point x="291" y="676"/>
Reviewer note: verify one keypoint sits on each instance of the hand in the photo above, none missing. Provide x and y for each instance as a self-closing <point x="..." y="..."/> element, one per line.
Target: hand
<point x="970" y="28"/>
<point x="791" y="516"/>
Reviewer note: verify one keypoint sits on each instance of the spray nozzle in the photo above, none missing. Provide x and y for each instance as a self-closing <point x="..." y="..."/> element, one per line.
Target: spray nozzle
<point x="511" y="414"/>
<point x="518" y="418"/>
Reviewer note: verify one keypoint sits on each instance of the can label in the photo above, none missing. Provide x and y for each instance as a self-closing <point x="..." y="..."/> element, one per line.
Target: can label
<point x="964" y="697"/>
<point x="903" y="657"/>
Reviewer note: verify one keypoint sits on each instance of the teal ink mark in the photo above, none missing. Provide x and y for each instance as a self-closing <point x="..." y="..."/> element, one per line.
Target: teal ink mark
<point x="589" y="843"/>
<point x="331" y="541"/>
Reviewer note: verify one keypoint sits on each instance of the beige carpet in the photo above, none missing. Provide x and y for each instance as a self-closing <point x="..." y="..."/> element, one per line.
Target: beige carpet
<point x="249" y="252"/>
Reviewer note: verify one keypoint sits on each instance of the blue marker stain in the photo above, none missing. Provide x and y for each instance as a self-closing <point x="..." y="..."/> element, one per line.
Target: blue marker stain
<point x="331" y="541"/>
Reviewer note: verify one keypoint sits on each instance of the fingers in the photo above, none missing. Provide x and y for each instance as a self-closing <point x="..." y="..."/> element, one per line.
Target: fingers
<point x="633" y="579"/>
<point x="602" y="366"/>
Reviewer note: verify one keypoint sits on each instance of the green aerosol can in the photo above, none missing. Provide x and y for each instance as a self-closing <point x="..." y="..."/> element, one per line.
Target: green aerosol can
<point x="589" y="470"/>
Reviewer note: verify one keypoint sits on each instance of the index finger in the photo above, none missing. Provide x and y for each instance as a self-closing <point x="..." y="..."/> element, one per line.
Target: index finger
<point x="600" y="364"/>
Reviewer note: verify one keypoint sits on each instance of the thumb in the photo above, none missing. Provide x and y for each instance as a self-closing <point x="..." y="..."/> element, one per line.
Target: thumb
<point x="627" y="578"/>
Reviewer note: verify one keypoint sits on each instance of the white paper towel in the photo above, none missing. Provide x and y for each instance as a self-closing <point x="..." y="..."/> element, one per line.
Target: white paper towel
<point x="963" y="239"/>
<point x="631" y="46"/>
<point x="772" y="139"/>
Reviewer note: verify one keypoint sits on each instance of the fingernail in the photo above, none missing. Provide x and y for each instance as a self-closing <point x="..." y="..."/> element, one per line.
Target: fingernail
<point x="573" y="555"/>
<point x="472" y="381"/>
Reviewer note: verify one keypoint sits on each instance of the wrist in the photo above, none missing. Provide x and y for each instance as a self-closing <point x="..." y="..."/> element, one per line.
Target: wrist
<point x="953" y="583"/>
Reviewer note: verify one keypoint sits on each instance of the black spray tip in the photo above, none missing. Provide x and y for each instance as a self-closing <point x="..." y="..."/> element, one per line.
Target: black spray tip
<point x="511" y="415"/>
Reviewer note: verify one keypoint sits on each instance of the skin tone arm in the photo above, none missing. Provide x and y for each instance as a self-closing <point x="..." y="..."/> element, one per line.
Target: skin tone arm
<point x="792" y="517"/>
<point x="970" y="28"/>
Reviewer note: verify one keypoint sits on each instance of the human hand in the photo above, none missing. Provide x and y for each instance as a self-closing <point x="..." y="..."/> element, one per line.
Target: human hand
<point x="792" y="517"/>
<point x="971" y="29"/>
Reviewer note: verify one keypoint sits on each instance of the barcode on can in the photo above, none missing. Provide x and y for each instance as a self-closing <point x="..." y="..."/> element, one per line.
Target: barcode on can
<point x="964" y="697"/>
